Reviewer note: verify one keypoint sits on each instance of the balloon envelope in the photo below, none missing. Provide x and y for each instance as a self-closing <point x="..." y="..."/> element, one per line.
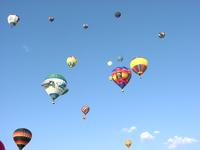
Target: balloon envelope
<point x="109" y="63"/>
<point x="13" y="20"/>
<point x="128" y="143"/>
<point x="117" y="14"/>
<point x="161" y="35"/>
<point x="85" y="26"/>
<point x="71" y="61"/>
<point x="22" y="137"/>
<point x="139" y="65"/>
<point x="55" y="85"/>
<point x="51" y="19"/>
<point x="121" y="76"/>
<point x="85" y="109"/>
<point x="2" y="147"/>
<point x="120" y="58"/>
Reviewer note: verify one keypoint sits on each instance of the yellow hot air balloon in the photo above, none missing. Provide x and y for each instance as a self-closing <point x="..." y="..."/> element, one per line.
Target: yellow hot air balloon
<point x="139" y="65"/>
<point x="71" y="61"/>
<point x="128" y="143"/>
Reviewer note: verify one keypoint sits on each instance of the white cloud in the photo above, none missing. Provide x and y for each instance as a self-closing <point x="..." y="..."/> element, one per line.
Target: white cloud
<point x="146" y="136"/>
<point x="129" y="130"/>
<point x="156" y="132"/>
<point x="179" y="141"/>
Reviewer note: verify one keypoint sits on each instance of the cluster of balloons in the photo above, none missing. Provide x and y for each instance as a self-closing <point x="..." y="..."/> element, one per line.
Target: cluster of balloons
<point x="55" y="85"/>
<point x="14" y="19"/>
<point x="122" y="75"/>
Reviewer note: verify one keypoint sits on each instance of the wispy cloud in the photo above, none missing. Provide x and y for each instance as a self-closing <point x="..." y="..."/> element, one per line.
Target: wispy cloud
<point x="179" y="141"/>
<point x="129" y="130"/>
<point x="146" y="136"/>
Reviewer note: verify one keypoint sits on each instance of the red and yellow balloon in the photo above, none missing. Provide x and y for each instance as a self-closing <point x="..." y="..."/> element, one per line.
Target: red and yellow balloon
<point x="139" y="65"/>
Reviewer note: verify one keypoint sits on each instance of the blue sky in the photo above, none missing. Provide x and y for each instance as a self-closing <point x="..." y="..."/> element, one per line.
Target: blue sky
<point x="166" y="99"/>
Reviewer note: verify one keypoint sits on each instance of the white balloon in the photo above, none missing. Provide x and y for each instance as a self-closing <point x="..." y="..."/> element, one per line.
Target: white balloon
<point x="13" y="19"/>
<point x="109" y="63"/>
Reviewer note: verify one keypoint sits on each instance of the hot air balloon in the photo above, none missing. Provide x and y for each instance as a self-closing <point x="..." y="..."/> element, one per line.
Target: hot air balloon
<point x="120" y="58"/>
<point x="2" y="147"/>
<point x="109" y="63"/>
<point x="128" y="143"/>
<point x="139" y="65"/>
<point x="121" y="76"/>
<point x="161" y="35"/>
<point x="117" y="14"/>
<point x="85" y="25"/>
<point x="22" y="137"/>
<point x="85" y="109"/>
<point x="71" y="61"/>
<point x="13" y="20"/>
<point x="55" y="85"/>
<point x="51" y="19"/>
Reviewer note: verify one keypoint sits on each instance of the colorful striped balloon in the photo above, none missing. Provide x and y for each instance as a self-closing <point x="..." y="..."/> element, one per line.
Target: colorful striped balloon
<point x="85" y="109"/>
<point x="121" y="76"/>
<point x="22" y="137"/>
<point x="2" y="147"/>
<point x="139" y="65"/>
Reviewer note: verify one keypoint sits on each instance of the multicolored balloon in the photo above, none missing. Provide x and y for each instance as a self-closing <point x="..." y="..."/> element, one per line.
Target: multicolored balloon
<point x="121" y="76"/>
<point x="85" y="109"/>
<point x="13" y="20"/>
<point x="22" y="137"/>
<point x="71" y="61"/>
<point x="55" y="85"/>
<point x="2" y="147"/>
<point x="128" y="143"/>
<point x="139" y="65"/>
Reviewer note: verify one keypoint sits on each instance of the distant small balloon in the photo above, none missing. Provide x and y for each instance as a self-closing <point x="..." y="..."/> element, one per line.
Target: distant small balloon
<point x="128" y="143"/>
<point x="85" y="109"/>
<point x="51" y="19"/>
<point x="161" y="35"/>
<point x="13" y="20"/>
<point x="109" y="63"/>
<point x="117" y="14"/>
<point x="120" y="59"/>
<point x="85" y="26"/>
